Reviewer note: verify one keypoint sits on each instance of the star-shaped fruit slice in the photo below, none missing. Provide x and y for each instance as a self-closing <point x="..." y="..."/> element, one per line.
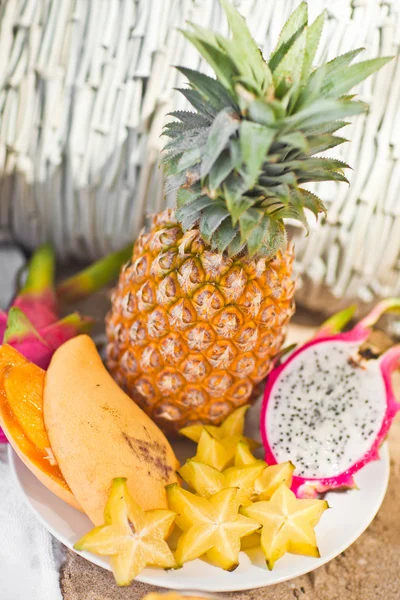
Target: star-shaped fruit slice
<point x="288" y="524"/>
<point x="212" y="527"/>
<point x="216" y="453"/>
<point x="131" y="537"/>
<point x="270" y="478"/>
<point x="231" y="428"/>
<point x="206" y="480"/>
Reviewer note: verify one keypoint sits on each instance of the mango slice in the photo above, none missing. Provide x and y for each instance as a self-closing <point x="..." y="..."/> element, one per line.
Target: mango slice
<point x="131" y="537"/>
<point x="21" y="418"/>
<point x="212" y="527"/>
<point x="287" y="524"/>
<point x="98" y="433"/>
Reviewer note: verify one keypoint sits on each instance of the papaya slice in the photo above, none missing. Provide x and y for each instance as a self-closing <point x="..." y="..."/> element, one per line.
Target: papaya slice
<point x="21" y="418"/>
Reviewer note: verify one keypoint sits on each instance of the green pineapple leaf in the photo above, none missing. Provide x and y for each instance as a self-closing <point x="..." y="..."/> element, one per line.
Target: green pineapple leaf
<point x="240" y="158"/>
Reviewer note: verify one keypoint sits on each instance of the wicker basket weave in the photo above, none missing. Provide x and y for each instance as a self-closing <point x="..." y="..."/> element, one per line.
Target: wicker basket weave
<point x="85" y="85"/>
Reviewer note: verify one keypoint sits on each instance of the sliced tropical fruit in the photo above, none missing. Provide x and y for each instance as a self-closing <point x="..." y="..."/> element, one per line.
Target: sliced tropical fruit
<point x="216" y="453"/>
<point x="212" y="527"/>
<point x="287" y="524"/>
<point x="131" y="537"/>
<point x="271" y="477"/>
<point x="98" y="433"/>
<point x="232" y="427"/>
<point x="206" y="480"/>
<point x="21" y="418"/>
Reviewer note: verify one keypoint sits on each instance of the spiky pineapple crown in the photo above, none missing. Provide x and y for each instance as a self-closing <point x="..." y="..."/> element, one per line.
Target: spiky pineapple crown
<point x="240" y="160"/>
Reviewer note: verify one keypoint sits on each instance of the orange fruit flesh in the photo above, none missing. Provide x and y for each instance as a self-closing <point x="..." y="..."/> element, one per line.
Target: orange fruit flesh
<point x="21" y="411"/>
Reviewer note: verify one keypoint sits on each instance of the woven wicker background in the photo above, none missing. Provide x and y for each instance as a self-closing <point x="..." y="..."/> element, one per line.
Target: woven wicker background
<point x="85" y="85"/>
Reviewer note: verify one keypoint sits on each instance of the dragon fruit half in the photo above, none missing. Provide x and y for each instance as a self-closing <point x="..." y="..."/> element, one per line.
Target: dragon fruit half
<point x="329" y="406"/>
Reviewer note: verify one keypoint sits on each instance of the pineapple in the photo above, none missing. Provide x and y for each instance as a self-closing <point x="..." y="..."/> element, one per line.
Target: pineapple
<point x="202" y="308"/>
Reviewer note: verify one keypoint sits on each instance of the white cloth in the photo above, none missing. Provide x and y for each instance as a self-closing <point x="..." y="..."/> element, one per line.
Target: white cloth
<point x="29" y="557"/>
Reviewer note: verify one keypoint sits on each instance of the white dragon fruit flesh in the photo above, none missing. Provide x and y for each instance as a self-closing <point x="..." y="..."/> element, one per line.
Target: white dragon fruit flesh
<point x="329" y="407"/>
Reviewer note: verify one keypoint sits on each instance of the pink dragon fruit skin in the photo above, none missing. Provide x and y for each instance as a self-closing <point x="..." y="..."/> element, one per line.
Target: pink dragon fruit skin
<point x="310" y="487"/>
<point x="39" y="346"/>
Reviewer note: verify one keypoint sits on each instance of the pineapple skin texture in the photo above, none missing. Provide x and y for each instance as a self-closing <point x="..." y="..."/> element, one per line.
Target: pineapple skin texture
<point x="191" y="332"/>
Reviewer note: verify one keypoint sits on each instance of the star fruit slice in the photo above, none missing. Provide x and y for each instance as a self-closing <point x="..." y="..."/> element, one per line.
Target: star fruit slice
<point x="287" y="524"/>
<point x="131" y="537"/>
<point x="212" y="527"/>
<point x="206" y="480"/>
<point x="232" y="428"/>
<point x="270" y="478"/>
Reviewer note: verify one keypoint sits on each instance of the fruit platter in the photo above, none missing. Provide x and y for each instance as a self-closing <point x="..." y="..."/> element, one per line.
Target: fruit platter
<point x="285" y="462"/>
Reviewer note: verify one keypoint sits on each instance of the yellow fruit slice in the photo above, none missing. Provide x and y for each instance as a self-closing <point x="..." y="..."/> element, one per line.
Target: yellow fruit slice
<point x="232" y="427"/>
<point x="219" y="454"/>
<point x="206" y="480"/>
<point x="212" y="527"/>
<point x="270" y="478"/>
<point x="131" y="537"/>
<point x="288" y="524"/>
<point x="243" y="455"/>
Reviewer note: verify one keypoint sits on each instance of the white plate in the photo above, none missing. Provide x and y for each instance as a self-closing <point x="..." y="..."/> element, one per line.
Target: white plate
<point x="351" y="513"/>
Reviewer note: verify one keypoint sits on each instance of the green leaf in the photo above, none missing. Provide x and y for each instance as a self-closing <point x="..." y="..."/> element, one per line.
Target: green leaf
<point x="186" y="195"/>
<point x="190" y="158"/>
<point x="275" y="239"/>
<point x="262" y="113"/>
<point x="224" y="235"/>
<point x="248" y="221"/>
<point x="352" y="75"/>
<point x="321" y="143"/>
<point x="211" y="219"/>
<point x="327" y="127"/>
<point x="245" y="51"/>
<point x="313" y="37"/>
<point x="191" y="119"/>
<point x="257" y="238"/>
<point x="236" y="246"/>
<point x="225" y="124"/>
<point x="220" y="170"/>
<point x="255" y="141"/>
<point x="296" y="139"/>
<point x="292" y="29"/>
<point x="223" y="66"/>
<point x="234" y="188"/>
<point x="198" y="102"/>
<point x="210" y="88"/>
<point x="312" y="202"/>
<point x="317" y="113"/>
<point x="190" y="213"/>
<point x="289" y="71"/>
